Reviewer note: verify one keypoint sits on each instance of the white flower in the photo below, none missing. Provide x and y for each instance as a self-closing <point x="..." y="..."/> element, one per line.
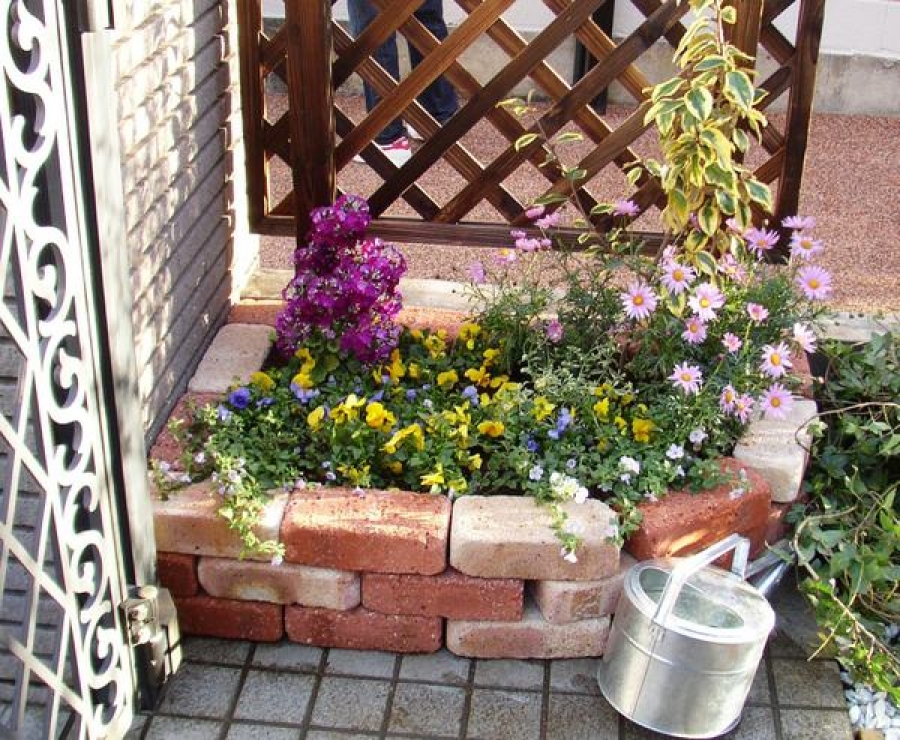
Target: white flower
<point x="200" y="458"/>
<point x="536" y="473"/>
<point x="675" y="452"/>
<point x="581" y="495"/>
<point x="697" y="436"/>
<point x="569" y="557"/>
<point x="629" y="465"/>
<point x="277" y="560"/>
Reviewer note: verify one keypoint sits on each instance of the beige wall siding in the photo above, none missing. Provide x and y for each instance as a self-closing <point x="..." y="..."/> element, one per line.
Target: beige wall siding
<point x="182" y="173"/>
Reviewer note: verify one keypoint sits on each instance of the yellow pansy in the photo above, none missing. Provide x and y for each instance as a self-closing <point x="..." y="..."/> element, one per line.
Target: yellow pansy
<point x="435" y="345"/>
<point x="458" y="485"/>
<point x="302" y="380"/>
<point x="414" y="370"/>
<point x="601" y="408"/>
<point x="479" y="375"/>
<point x="468" y="333"/>
<point x="378" y="417"/>
<point x="626" y="398"/>
<point x="475" y="461"/>
<point x="395" y="466"/>
<point x="262" y="381"/>
<point x="603" y="444"/>
<point x="396" y="369"/>
<point x="641" y="429"/>
<point x="413" y="430"/>
<point x="307" y="361"/>
<point x="602" y="390"/>
<point x="620" y="423"/>
<point x="491" y="428"/>
<point x="356" y="476"/>
<point x="499" y="381"/>
<point x="490" y="355"/>
<point x="348" y="409"/>
<point x="416" y="334"/>
<point x="314" y="418"/>
<point x="434" y="478"/>
<point x="485" y="400"/>
<point x="542" y="408"/>
<point x="447" y="379"/>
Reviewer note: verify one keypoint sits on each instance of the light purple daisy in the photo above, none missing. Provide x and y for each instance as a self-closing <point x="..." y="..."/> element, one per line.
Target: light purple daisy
<point x="476" y="273"/>
<point x="731" y="268"/>
<point x="528" y="244"/>
<point x="804" y="338"/>
<point x="548" y="221"/>
<point x="639" y="301"/>
<point x="804" y="245"/>
<point x="688" y="378"/>
<point x="799" y="222"/>
<point x="776" y="360"/>
<point x="518" y="234"/>
<point x="534" y="212"/>
<point x="731" y="342"/>
<point x="757" y="313"/>
<point x="760" y="241"/>
<point x="694" y="330"/>
<point x="815" y="282"/>
<point x="677" y="277"/>
<point x="625" y="208"/>
<point x="728" y="398"/>
<point x="734" y="227"/>
<point x="743" y="407"/>
<point x="776" y="402"/>
<point x="554" y="330"/>
<point x="706" y="299"/>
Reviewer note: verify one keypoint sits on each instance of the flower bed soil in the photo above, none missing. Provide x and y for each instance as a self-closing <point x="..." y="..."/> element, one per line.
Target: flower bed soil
<point x="411" y="572"/>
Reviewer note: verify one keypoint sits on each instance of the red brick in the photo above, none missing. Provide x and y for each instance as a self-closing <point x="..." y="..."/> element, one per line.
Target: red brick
<point x="433" y="319"/>
<point x="178" y="573"/>
<point x="255" y="312"/>
<point x="374" y="531"/>
<point x="533" y="637"/>
<point x="449" y="594"/>
<point x="683" y="523"/>
<point x="235" y="620"/>
<point x="166" y="448"/>
<point x="776" y="526"/>
<point x="802" y="370"/>
<point x="562" y="602"/>
<point x="361" y="629"/>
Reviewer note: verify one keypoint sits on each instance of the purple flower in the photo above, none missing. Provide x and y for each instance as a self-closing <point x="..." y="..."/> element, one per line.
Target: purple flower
<point x="694" y="330"/>
<point x="476" y="273"/>
<point x="730" y="267"/>
<point x="304" y="396"/>
<point x="239" y="398"/>
<point x="554" y="331"/>
<point x="776" y="402"/>
<point x="760" y="241"/>
<point x="411" y="394"/>
<point x="743" y="407"/>
<point x="534" y="212"/>
<point x="799" y="222"/>
<point x="731" y="342"/>
<point x="804" y="338"/>
<point x="562" y="423"/>
<point x="639" y="301"/>
<point x="814" y="281"/>
<point x="223" y="413"/>
<point x="775" y="360"/>
<point x="677" y="277"/>
<point x="531" y="445"/>
<point x="528" y="244"/>
<point x="471" y="393"/>
<point x="688" y="378"/>
<point x="804" y="246"/>
<point x="706" y="299"/>
<point x="548" y="221"/>
<point x="728" y="398"/>
<point x="627" y="208"/>
<point x="757" y="313"/>
<point x="264" y="401"/>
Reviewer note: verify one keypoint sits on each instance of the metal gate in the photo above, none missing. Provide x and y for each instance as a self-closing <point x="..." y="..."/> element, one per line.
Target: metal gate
<point x="68" y="663"/>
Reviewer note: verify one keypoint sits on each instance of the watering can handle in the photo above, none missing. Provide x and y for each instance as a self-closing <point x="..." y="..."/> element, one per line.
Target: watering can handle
<point x="687" y="567"/>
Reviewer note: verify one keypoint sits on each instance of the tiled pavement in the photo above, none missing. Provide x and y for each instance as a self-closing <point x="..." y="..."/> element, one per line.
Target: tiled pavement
<point x="254" y="691"/>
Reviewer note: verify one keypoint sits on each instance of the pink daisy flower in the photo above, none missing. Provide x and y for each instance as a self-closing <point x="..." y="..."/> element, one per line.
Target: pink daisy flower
<point x="626" y="208"/>
<point x="694" y="331"/>
<point x="476" y="273"/>
<point x="804" y="246"/>
<point x="688" y="378"/>
<point x="554" y="331"/>
<point x="534" y="212"/>
<point x="734" y="227"/>
<point x="730" y="267"/>
<point x="528" y="244"/>
<point x="505" y="257"/>
<point x="775" y="360"/>
<point x="639" y="301"/>
<point x="517" y="234"/>
<point x="731" y="342"/>
<point x="757" y="313"/>
<point x="728" y="398"/>
<point x="799" y="222"/>
<point x="706" y="299"/>
<point x="760" y="240"/>
<point x="804" y="338"/>
<point x="815" y="282"/>
<point x="776" y="402"/>
<point x="548" y="221"/>
<point x="743" y="407"/>
<point x="677" y="277"/>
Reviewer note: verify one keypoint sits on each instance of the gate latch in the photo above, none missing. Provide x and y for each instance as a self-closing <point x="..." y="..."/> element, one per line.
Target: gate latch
<point x="142" y="614"/>
<point x="152" y="627"/>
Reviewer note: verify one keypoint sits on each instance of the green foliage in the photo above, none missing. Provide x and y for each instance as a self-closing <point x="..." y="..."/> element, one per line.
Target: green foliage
<point x="849" y="539"/>
<point x="702" y="117"/>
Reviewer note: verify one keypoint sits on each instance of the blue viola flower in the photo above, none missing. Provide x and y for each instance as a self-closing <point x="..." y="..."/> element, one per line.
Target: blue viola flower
<point x="239" y="398"/>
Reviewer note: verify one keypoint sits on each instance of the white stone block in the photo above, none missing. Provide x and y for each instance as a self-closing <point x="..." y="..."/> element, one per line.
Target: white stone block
<point x="237" y="351"/>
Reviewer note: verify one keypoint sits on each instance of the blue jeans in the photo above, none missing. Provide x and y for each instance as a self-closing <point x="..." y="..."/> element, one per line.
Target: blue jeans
<point x="439" y="98"/>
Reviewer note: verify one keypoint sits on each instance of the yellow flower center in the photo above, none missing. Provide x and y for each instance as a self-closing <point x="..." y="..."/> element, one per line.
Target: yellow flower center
<point x="775" y="401"/>
<point x="678" y="275"/>
<point x="775" y="359"/>
<point x="813" y="283"/>
<point x="704" y="302"/>
<point x="686" y="377"/>
<point x="638" y="300"/>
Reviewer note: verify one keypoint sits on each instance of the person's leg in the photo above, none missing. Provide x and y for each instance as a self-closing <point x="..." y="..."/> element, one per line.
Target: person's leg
<point x="362" y="13"/>
<point x="439" y="98"/>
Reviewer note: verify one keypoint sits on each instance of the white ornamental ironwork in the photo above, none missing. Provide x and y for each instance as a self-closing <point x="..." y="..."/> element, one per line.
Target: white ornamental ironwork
<point x="64" y="668"/>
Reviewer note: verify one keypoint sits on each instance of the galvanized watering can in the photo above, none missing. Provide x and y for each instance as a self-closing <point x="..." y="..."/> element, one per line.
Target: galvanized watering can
<point x="686" y="642"/>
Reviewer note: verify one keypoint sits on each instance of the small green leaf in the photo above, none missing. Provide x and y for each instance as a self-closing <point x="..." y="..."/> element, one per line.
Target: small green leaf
<point x="524" y="141"/>
<point x="739" y="89"/>
<point x="575" y="173"/>
<point x="550" y="199"/>
<point x="569" y="136"/>
<point x="759" y="193"/>
<point x="708" y="217"/>
<point x="728" y="15"/>
<point x="634" y="174"/>
<point x="740" y="139"/>
<point x="667" y="89"/>
<point x="706" y="263"/>
<point x="699" y="102"/>
<point x="713" y="61"/>
<point x="725" y="202"/>
<point x="718" y="141"/>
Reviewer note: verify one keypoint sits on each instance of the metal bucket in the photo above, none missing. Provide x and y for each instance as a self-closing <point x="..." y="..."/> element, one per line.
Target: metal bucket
<point x="685" y="643"/>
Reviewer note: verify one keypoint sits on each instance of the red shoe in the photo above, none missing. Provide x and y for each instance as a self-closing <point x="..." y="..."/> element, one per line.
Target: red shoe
<point x="398" y="151"/>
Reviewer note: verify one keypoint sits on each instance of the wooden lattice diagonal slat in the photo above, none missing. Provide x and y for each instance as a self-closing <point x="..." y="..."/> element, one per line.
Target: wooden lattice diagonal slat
<point x="315" y="56"/>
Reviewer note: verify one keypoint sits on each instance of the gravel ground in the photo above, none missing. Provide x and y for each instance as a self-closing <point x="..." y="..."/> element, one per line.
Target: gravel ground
<point x="851" y="186"/>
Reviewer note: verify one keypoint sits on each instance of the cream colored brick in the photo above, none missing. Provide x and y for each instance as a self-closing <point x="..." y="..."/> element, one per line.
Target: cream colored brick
<point x="562" y="602"/>
<point x="237" y="351"/>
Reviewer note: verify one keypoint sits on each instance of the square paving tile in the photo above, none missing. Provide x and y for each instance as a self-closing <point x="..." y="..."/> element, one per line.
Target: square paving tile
<point x="757" y="723"/>
<point x="210" y="650"/>
<point x="351" y="703"/>
<point x="337" y="735"/>
<point x="759" y="689"/>
<point x="288" y="656"/>
<point x="254" y="731"/>
<point x="435" y="711"/>
<point x="137" y="726"/>
<point x="578" y="675"/>
<point x="815" y="724"/>
<point x="201" y="691"/>
<point x="504" y="715"/>
<point x="276" y="697"/>
<point x="512" y="674"/>
<point x="573" y="717"/>
<point x="166" y="728"/>
<point x="814" y="683"/>
<point x="368" y="663"/>
<point x="440" y="667"/>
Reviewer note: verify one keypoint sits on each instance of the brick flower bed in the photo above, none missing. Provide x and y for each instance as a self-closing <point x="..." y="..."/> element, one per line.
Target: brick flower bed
<point x="409" y="572"/>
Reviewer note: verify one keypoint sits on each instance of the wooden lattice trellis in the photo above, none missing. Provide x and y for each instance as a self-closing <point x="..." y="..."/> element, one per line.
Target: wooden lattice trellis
<point x="315" y="56"/>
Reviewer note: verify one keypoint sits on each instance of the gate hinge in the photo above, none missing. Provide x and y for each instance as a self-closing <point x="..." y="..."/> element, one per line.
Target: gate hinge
<point x="152" y="628"/>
